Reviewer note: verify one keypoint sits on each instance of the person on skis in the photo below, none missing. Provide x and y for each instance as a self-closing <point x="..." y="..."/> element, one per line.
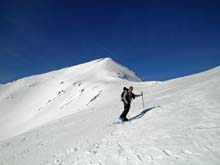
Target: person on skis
<point x="126" y="97"/>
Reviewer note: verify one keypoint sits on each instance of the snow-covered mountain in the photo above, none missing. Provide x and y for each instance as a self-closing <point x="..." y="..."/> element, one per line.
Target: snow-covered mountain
<point x="36" y="100"/>
<point x="67" y="117"/>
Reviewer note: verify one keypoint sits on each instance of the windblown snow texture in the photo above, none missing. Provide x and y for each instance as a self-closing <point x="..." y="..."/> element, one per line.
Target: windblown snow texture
<point x="66" y="117"/>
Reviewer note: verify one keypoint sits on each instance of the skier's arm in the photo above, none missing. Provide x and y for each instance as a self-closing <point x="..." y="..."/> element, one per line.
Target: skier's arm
<point x="139" y="95"/>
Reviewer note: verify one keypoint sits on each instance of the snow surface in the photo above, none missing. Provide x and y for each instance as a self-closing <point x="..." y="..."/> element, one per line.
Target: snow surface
<point x="67" y="117"/>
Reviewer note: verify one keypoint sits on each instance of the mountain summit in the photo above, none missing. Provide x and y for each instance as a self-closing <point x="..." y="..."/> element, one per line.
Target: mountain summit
<point x="36" y="100"/>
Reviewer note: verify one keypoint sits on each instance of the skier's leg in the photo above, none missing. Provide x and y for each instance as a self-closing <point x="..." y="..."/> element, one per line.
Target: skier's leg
<point x="127" y="107"/>
<point x="125" y="112"/>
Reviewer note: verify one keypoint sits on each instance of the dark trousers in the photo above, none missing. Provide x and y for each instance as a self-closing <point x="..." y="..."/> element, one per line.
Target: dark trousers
<point x="126" y="110"/>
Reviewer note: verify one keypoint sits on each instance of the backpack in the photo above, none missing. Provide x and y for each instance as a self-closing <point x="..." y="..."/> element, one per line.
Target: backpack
<point x="123" y="92"/>
<point x="122" y="95"/>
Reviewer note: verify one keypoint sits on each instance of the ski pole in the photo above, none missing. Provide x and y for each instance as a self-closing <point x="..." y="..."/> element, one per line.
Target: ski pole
<point x="142" y="99"/>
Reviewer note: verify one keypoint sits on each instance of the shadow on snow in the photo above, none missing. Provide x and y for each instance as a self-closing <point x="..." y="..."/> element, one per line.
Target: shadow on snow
<point x="142" y="113"/>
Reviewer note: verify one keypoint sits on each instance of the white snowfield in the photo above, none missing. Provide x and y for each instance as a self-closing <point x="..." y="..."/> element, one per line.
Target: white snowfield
<point x="68" y="117"/>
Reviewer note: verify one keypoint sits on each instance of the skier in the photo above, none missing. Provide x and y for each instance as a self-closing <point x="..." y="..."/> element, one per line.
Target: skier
<point x="126" y="97"/>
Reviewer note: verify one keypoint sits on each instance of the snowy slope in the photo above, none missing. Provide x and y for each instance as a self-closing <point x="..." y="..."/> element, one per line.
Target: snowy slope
<point x="36" y="100"/>
<point x="66" y="117"/>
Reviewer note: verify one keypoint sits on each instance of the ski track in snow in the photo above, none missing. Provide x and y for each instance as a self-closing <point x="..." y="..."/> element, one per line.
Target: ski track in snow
<point x="180" y="125"/>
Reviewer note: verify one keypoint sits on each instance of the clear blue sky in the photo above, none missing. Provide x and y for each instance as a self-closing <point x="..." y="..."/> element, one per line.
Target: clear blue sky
<point x="158" y="39"/>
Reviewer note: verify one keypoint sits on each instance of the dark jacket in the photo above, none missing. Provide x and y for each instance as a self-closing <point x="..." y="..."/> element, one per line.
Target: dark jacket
<point x="127" y="96"/>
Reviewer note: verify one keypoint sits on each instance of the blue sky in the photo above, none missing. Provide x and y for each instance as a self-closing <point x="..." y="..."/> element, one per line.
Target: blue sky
<point x="157" y="39"/>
